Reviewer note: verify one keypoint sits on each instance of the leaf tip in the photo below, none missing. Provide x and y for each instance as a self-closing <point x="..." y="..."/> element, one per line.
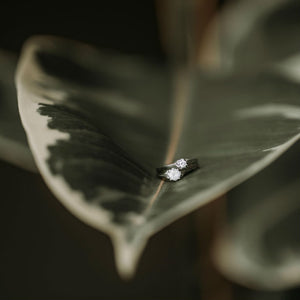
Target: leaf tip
<point x="127" y="253"/>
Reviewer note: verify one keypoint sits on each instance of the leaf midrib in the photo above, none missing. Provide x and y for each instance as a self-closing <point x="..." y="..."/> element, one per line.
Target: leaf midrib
<point x="180" y="100"/>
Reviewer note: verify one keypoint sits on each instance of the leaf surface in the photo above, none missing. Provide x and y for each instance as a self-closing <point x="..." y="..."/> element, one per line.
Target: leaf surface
<point x="100" y="124"/>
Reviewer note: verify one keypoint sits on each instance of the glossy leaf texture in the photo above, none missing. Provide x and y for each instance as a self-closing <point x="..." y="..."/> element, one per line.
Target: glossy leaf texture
<point x="13" y="143"/>
<point x="259" y="247"/>
<point x="100" y="124"/>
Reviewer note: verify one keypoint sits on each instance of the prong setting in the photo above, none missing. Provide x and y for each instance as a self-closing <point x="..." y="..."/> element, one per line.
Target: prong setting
<point x="181" y="163"/>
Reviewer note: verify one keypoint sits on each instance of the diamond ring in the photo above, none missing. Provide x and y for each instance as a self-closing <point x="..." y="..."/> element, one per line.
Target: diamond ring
<point x="175" y="171"/>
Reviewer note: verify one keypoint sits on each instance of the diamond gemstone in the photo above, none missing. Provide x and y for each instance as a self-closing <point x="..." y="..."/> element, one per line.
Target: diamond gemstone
<point x="181" y="163"/>
<point x="173" y="174"/>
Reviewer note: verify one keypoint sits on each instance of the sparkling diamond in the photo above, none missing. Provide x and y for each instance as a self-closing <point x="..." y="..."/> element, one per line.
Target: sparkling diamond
<point x="181" y="163"/>
<point x="173" y="174"/>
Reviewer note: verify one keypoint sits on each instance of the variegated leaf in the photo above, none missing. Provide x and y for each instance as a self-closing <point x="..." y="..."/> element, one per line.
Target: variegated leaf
<point x="100" y="124"/>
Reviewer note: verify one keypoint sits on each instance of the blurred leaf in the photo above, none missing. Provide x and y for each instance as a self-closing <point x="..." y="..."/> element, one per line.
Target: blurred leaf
<point x="260" y="246"/>
<point x="182" y="26"/>
<point x="13" y="144"/>
<point x="255" y="33"/>
<point x="100" y="124"/>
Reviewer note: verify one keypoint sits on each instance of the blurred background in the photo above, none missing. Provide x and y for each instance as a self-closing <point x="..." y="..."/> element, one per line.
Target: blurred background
<point x="46" y="253"/>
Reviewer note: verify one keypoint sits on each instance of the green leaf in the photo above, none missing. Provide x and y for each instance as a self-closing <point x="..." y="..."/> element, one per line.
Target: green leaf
<point x="100" y="124"/>
<point x="13" y="143"/>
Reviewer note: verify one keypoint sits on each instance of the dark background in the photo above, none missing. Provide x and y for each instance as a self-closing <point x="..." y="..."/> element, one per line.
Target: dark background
<point x="129" y="26"/>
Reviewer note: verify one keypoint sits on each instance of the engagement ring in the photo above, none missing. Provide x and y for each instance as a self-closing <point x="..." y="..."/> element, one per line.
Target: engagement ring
<point x="175" y="171"/>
